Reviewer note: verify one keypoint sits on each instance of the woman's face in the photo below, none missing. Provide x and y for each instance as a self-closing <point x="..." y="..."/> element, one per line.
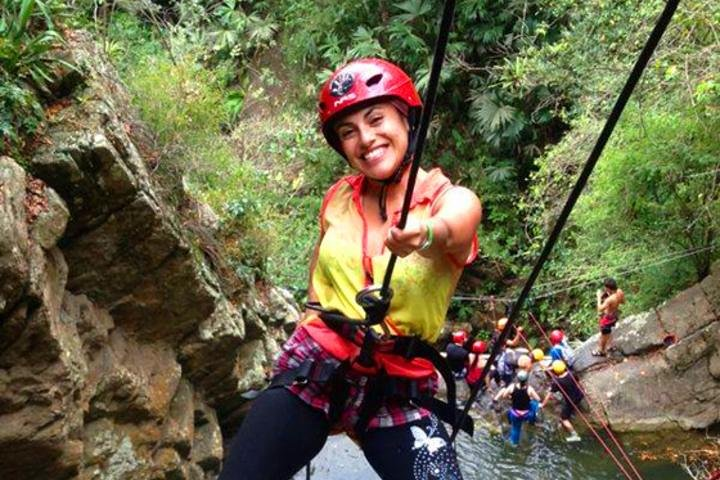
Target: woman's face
<point x="374" y="139"/>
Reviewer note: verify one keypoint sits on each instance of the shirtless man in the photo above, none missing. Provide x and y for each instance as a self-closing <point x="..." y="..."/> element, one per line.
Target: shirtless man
<point x="608" y="307"/>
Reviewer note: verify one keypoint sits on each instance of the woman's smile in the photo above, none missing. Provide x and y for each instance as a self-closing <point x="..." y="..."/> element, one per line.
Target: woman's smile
<point x="374" y="139"/>
<point x="375" y="155"/>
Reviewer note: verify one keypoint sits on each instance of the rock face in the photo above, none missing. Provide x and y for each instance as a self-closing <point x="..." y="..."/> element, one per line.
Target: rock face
<point x="118" y="347"/>
<point x="666" y="370"/>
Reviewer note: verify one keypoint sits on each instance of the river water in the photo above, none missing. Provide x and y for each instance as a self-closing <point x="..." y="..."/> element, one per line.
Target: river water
<point x="542" y="454"/>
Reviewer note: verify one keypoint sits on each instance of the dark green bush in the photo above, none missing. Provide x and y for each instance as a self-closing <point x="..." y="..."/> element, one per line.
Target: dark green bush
<point x="28" y="59"/>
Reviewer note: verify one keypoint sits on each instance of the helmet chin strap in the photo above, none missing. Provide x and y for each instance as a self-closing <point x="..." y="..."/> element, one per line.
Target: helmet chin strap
<point x="397" y="175"/>
<point x="394" y="178"/>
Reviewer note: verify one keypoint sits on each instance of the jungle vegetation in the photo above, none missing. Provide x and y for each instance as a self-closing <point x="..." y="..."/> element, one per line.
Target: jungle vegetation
<point x="228" y="88"/>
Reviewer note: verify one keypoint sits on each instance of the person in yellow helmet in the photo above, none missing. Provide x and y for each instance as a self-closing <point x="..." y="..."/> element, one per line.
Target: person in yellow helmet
<point x="564" y="383"/>
<point x="514" y="337"/>
<point x="538" y="355"/>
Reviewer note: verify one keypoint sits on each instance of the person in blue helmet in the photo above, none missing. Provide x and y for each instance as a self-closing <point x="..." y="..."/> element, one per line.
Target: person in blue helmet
<point x="524" y="407"/>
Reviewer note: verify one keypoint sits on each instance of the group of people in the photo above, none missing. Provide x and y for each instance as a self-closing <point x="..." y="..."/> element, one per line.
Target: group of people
<point x="513" y="367"/>
<point x="511" y="372"/>
<point x="376" y="382"/>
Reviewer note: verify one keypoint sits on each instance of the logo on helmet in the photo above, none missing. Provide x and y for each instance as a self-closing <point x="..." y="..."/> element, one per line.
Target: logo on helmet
<point x="341" y="84"/>
<point x="344" y="99"/>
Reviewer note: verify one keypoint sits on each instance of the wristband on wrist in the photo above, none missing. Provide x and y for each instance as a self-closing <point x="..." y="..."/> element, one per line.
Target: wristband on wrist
<point x="429" y="237"/>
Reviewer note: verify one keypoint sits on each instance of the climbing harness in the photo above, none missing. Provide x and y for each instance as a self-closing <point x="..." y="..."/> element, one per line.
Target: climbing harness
<point x="620" y="103"/>
<point x="382" y="382"/>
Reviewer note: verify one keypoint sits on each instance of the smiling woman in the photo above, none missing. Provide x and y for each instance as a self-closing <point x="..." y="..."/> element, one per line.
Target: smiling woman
<point x="374" y="140"/>
<point x="368" y="111"/>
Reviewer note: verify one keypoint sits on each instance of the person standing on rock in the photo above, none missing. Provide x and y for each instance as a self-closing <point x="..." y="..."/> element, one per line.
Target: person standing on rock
<point x="368" y="113"/>
<point x="609" y="299"/>
<point x="564" y="383"/>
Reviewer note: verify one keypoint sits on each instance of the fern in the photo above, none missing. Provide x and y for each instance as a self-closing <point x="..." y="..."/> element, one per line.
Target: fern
<point x="413" y="9"/>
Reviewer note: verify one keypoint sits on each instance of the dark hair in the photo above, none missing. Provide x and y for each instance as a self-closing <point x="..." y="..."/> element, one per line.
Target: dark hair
<point x="610" y="283"/>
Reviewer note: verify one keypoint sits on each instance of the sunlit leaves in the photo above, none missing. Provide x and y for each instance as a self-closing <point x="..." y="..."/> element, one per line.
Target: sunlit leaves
<point x="365" y="44"/>
<point x="496" y="121"/>
<point x="412" y="10"/>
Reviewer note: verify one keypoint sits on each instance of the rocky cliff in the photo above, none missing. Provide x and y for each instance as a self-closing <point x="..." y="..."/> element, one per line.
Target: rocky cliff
<point x="665" y="371"/>
<point x="121" y="353"/>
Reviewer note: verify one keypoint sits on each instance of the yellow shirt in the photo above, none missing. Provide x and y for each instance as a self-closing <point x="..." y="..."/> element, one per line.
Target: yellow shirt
<point x="422" y="287"/>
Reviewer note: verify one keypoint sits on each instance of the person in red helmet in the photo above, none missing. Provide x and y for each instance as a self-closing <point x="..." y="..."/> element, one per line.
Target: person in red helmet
<point x="456" y="354"/>
<point x="368" y="112"/>
<point x="476" y="362"/>
<point x="561" y="349"/>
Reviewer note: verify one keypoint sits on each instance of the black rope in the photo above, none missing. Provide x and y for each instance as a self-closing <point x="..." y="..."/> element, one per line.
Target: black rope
<point x="607" y="130"/>
<point x="419" y="140"/>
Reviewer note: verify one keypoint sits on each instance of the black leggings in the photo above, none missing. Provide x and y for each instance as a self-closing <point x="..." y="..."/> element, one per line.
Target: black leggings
<point x="281" y="433"/>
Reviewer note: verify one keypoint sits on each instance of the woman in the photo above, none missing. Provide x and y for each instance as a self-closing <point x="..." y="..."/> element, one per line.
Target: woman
<point x="368" y="111"/>
<point x="524" y="407"/>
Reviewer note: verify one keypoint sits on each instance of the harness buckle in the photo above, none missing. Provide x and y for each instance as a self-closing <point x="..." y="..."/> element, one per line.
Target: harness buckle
<point x="376" y="305"/>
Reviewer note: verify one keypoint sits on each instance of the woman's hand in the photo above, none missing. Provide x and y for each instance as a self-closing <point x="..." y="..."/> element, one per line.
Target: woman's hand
<point x="452" y="228"/>
<point x="411" y="239"/>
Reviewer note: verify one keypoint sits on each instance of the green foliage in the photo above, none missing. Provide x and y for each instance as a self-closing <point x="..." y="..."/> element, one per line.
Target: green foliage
<point x="235" y="34"/>
<point x="28" y="59"/>
<point x="650" y="215"/>
<point x="294" y="170"/>
<point x="230" y="88"/>
<point x="20" y="114"/>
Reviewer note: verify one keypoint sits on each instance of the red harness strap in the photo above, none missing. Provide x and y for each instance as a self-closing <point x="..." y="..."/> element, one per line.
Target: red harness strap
<point x="346" y="350"/>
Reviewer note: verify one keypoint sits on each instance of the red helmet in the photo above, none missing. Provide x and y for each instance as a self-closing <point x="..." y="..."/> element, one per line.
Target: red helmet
<point x="358" y="82"/>
<point x="459" y="337"/>
<point x="556" y="336"/>
<point x="479" y="346"/>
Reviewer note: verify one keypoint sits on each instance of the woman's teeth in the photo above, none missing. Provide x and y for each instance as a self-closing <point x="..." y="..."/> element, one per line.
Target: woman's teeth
<point x="374" y="154"/>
